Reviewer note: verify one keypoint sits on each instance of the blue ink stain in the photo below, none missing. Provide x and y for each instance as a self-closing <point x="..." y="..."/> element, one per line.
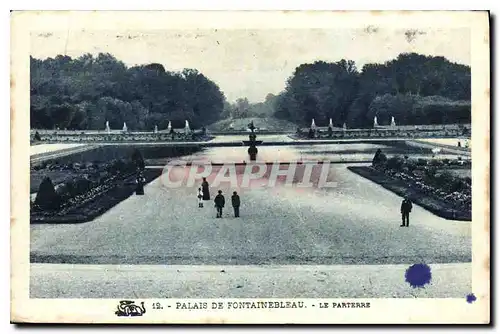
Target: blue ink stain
<point x="470" y="298"/>
<point x="418" y="275"/>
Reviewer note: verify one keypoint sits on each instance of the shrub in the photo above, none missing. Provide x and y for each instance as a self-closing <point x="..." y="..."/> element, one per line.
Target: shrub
<point x="444" y="180"/>
<point x="435" y="162"/>
<point x="379" y="159"/>
<point x="430" y="172"/>
<point x="47" y="198"/>
<point x="421" y="162"/>
<point x="410" y="165"/>
<point x="395" y="163"/>
<point x="137" y="159"/>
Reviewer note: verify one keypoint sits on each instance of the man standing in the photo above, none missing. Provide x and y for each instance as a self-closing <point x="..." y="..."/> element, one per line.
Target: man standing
<point x="219" y="203"/>
<point x="406" y="207"/>
<point x="235" y="200"/>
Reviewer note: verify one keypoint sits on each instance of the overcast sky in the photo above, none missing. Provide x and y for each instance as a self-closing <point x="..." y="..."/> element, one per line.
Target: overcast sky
<point x="253" y="63"/>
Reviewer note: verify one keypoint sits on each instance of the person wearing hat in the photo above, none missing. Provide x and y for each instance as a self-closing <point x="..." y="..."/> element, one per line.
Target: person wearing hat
<point x="219" y="203"/>
<point x="235" y="200"/>
<point x="406" y="207"/>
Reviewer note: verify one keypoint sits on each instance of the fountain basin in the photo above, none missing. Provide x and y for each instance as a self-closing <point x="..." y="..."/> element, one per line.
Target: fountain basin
<point x="256" y="142"/>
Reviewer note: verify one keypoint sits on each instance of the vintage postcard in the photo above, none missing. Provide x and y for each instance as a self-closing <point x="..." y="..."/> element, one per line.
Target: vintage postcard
<point x="250" y="167"/>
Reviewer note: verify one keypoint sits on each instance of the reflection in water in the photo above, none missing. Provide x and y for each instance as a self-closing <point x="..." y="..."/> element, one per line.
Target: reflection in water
<point x="331" y="152"/>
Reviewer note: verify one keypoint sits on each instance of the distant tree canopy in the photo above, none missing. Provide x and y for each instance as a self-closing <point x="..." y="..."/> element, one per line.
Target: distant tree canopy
<point x="85" y="92"/>
<point x="413" y="88"/>
<point x="244" y="109"/>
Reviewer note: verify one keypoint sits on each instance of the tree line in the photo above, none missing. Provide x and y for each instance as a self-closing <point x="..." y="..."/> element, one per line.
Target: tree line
<point x="85" y="92"/>
<point x="415" y="89"/>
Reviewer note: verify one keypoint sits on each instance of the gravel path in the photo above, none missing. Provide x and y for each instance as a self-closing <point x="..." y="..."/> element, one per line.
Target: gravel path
<point x="356" y="222"/>
<point x="132" y="282"/>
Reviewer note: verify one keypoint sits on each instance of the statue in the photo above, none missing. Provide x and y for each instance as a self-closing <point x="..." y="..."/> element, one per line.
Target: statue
<point x="108" y="130"/>
<point x="330" y="131"/>
<point x="187" y="129"/>
<point x="252" y="150"/>
<point x="156" y="129"/>
<point x="251" y="126"/>
<point x="375" y="123"/>
<point x="393" y="122"/>
<point x="169" y="127"/>
<point x="344" y="127"/>
<point x="124" y="127"/>
<point x="313" y="124"/>
<point x="330" y="124"/>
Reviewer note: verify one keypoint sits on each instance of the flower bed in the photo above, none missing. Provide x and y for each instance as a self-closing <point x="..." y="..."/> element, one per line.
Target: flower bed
<point x="89" y="205"/>
<point x="86" y="193"/>
<point x="428" y="183"/>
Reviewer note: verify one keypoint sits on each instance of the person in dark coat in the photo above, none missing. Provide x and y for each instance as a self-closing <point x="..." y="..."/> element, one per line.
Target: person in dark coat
<point x="406" y="207"/>
<point x="206" y="191"/>
<point x="139" y="190"/>
<point x="235" y="200"/>
<point x="219" y="203"/>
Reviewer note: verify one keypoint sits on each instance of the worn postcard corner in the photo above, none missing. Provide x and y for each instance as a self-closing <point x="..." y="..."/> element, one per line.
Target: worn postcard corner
<point x="250" y="167"/>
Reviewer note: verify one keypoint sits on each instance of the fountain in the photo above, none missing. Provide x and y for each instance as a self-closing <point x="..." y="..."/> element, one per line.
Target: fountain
<point x="187" y="129"/>
<point x="313" y="124"/>
<point x="393" y="122"/>
<point x="169" y="127"/>
<point x="344" y="127"/>
<point x="375" y="123"/>
<point x="108" y="129"/>
<point x="156" y="129"/>
<point x="331" y="123"/>
<point x="252" y="150"/>
<point x="124" y="127"/>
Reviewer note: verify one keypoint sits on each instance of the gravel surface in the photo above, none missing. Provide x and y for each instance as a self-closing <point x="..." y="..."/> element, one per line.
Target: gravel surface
<point x="132" y="282"/>
<point x="46" y="148"/>
<point x="356" y="222"/>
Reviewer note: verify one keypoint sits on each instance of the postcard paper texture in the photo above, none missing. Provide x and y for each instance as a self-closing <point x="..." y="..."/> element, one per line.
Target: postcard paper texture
<point x="250" y="167"/>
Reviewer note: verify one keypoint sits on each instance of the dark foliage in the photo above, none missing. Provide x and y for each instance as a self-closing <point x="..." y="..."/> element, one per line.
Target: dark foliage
<point x="137" y="159"/>
<point x="379" y="159"/>
<point x="47" y="198"/>
<point x="413" y="88"/>
<point x="85" y="92"/>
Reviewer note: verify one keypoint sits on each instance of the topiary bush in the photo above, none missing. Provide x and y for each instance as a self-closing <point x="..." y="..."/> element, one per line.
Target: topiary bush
<point x="47" y="198"/>
<point x="138" y="160"/>
<point x="395" y="163"/>
<point x="379" y="159"/>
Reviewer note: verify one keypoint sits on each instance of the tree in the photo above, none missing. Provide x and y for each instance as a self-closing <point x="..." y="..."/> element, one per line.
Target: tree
<point x="321" y="91"/>
<point x="241" y="109"/>
<point x="85" y="92"/>
<point x="46" y="197"/>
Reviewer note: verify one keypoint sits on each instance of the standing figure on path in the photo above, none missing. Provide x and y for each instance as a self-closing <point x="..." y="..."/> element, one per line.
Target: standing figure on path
<point x="219" y="203"/>
<point x="206" y="191"/>
<point x="235" y="200"/>
<point x="406" y="207"/>
<point x="200" y="198"/>
<point x="140" y="180"/>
